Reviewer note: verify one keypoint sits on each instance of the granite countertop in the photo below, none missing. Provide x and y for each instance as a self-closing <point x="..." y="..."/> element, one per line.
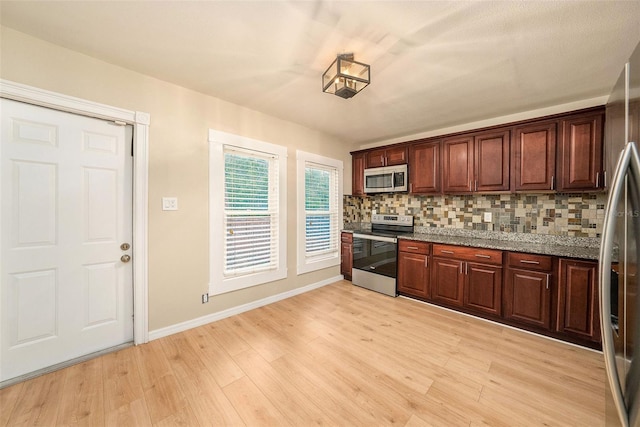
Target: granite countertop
<point x="563" y="246"/>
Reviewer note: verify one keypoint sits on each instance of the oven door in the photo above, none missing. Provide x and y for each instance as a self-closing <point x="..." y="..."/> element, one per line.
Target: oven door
<point x="375" y="254"/>
<point x="374" y="263"/>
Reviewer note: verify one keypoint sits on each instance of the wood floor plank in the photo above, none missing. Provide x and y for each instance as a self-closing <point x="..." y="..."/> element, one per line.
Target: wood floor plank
<point x="221" y="365"/>
<point x="121" y="379"/>
<point x="8" y="400"/>
<point x="151" y="362"/>
<point x="39" y="401"/>
<point x="132" y="414"/>
<point x="165" y="398"/>
<point x="287" y="398"/>
<point x="254" y="407"/>
<point x="82" y="400"/>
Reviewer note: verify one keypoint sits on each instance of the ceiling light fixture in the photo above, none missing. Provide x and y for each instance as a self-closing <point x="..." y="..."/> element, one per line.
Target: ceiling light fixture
<point x="345" y="77"/>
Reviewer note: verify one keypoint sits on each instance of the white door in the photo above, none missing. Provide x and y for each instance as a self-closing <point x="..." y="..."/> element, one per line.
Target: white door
<point x="66" y="191"/>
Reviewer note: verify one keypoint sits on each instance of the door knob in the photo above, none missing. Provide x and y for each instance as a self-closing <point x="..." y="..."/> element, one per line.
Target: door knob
<point x="125" y="246"/>
<point x="125" y="258"/>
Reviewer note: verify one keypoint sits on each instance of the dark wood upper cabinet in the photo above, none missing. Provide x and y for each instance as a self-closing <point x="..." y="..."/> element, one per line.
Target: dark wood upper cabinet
<point x="357" y="170"/>
<point x="534" y="157"/>
<point x="580" y="153"/>
<point x="457" y="164"/>
<point x="379" y="157"/>
<point x="424" y="168"/>
<point x="477" y="162"/>
<point x="578" y="312"/>
<point x="492" y="161"/>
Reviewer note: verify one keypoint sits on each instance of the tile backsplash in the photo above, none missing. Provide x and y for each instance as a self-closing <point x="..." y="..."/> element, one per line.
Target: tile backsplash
<point x="577" y="215"/>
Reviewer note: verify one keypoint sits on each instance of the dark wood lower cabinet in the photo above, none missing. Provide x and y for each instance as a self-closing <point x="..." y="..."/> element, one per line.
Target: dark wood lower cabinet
<point x="413" y="268"/>
<point x="346" y="255"/>
<point x="578" y="313"/>
<point x="527" y="297"/>
<point x="447" y="281"/>
<point x="483" y="288"/>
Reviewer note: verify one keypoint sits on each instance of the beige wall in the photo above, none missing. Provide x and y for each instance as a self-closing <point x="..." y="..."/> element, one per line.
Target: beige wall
<point x="180" y="119"/>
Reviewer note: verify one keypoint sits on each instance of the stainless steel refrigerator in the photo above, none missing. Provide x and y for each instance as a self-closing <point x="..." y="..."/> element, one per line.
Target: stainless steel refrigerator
<point x="620" y="250"/>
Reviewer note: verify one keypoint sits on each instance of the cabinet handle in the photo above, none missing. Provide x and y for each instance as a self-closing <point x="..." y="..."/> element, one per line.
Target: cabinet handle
<point x="466" y="268"/>
<point x="461" y="267"/>
<point x="526" y="261"/>
<point x="548" y="281"/>
<point x="426" y="262"/>
<point x="476" y="185"/>
<point x="597" y="179"/>
<point x="446" y="252"/>
<point x="553" y="178"/>
<point x="383" y="161"/>
<point x="411" y="187"/>
<point x="604" y="178"/>
<point x="482" y="256"/>
<point x="413" y="248"/>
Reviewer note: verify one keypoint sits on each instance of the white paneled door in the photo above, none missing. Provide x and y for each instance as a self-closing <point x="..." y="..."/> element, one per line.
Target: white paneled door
<point x="66" y="230"/>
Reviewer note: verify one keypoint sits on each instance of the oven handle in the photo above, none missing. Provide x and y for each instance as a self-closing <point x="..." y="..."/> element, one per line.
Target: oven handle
<point x="372" y="237"/>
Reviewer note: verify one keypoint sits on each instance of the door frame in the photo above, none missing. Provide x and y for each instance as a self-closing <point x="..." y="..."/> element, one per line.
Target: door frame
<point x="140" y="121"/>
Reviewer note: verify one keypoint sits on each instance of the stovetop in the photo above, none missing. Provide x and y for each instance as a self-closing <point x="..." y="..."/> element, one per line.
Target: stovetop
<point x="391" y="225"/>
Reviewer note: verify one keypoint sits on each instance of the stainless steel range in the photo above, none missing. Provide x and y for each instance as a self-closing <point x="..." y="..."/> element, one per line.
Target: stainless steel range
<point x="375" y="253"/>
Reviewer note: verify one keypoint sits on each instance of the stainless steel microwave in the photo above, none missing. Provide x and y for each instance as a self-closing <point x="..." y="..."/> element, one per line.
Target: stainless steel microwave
<point x="387" y="179"/>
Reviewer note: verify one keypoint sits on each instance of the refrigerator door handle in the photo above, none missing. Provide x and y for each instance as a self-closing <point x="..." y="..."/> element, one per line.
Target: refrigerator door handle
<point x="627" y="162"/>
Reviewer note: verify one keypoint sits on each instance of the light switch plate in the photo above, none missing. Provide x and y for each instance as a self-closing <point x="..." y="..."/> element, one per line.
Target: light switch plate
<point x="169" y="203"/>
<point x="487" y="217"/>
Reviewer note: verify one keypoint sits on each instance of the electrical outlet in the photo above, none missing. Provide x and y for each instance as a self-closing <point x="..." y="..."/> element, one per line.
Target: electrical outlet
<point x="205" y="298"/>
<point x="487" y="217"/>
<point x="169" y="203"/>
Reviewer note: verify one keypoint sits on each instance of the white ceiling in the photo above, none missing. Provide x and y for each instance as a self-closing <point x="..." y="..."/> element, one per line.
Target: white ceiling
<point x="434" y="64"/>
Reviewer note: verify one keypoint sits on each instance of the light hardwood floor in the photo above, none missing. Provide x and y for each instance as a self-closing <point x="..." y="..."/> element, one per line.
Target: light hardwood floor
<point x="339" y="355"/>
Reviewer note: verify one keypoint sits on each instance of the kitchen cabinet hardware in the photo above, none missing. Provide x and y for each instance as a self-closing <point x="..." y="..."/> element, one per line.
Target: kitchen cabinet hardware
<point x="528" y="261"/>
<point x="447" y="252"/>
<point x="482" y="256"/>
<point x="413" y="248"/>
<point x="552" y="181"/>
<point x="548" y="277"/>
<point x="426" y="262"/>
<point x="597" y="179"/>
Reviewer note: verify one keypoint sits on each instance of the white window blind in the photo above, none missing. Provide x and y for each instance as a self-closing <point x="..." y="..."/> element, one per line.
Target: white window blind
<point x="250" y="212"/>
<point x="321" y="215"/>
<point x="247" y="212"/>
<point x="319" y="211"/>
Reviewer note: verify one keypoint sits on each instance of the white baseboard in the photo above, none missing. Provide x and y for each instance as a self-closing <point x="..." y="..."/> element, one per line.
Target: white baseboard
<point x="180" y="327"/>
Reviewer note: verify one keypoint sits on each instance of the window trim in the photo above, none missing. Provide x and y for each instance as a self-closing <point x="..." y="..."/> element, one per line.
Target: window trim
<point x="218" y="283"/>
<point x="328" y="259"/>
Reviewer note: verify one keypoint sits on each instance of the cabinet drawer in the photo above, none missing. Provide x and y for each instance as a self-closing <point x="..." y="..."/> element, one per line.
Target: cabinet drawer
<point x="487" y="256"/>
<point x="529" y="261"/>
<point x="347" y="237"/>
<point x="412" y="246"/>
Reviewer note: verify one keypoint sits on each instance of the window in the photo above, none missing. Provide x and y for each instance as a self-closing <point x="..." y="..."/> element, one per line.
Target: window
<point x="319" y="211"/>
<point x="247" y="210"/>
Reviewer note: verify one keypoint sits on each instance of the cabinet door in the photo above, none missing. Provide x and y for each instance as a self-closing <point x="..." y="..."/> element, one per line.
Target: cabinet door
<point x="413" y="274"/>
<point x="492" y="151"/>
<point x="346" y="254"/>
<point x="483" y="288"/>
<point x="447" y="281"/>
<point x="375" y="158"/>
<point x="357" y="170"/>
<point x="457" y="164"/>
<point x="578" y="312"/>
<point x="580" y="153"/>
<point x="527" y="297"/>
<point x="534" y="156"/>
<point x="424" y="168"/>
<point x="396" y="156"/>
